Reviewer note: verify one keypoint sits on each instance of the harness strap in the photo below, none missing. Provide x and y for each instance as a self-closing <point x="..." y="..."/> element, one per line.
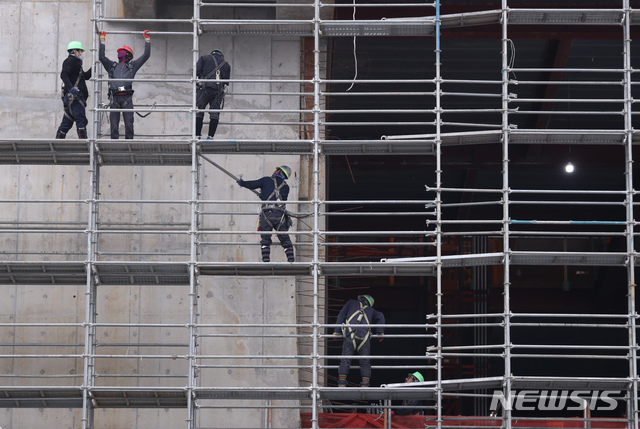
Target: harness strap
<point x="352" y="332"/>
<point x="215" y="70"/>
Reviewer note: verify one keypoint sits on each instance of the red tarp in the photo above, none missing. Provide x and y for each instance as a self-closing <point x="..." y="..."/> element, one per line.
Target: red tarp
<point x="355" y="420"/>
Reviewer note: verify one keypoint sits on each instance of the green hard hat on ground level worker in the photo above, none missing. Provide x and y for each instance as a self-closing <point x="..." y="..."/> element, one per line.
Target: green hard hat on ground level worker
<point x="417" y="376"/>
<point x="75" y="45"/>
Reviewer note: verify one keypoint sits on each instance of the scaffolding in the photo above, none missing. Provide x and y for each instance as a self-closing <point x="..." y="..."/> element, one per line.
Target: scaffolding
<point x="205" y="368"/>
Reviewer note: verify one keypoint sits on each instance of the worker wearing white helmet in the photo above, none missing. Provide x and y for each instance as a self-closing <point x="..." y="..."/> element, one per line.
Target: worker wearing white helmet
<point x="74" y="92"/>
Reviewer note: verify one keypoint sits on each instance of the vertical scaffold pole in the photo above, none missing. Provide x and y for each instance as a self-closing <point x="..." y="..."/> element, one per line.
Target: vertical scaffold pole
<point x="438" y="150"/>
<point x="90" y="290"/>
<point x="629" y="200"/>
<point x="193" y="252"/>
<point x="316" y="210"/>
<point x="505" y="214"/>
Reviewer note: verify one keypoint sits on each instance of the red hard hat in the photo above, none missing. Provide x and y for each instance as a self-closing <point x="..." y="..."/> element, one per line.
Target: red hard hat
<point x="126" y="48"/>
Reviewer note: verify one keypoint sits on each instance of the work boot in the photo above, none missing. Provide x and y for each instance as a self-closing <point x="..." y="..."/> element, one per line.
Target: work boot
<point x="60" y="134"/>
<point x="364" y="384"/>
<point x="289" y="252"/>
<point x="266" y="253"/>
<point x="82" y="133"/>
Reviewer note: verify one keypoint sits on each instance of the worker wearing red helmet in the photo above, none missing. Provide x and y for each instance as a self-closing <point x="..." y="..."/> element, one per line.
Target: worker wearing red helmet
<point x="121" y="91"/>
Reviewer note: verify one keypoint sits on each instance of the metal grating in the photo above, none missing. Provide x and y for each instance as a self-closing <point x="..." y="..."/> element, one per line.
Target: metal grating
<point x="143" y="274"/>
<point x="47" y="151"/>
<point x="43" y="273"/>
<point x="568" y="258"/>
<point x="139" y="398"/>
<point x="41" y="397"/>
<point x="389" y="268"/>
<point x="395" y="27"/>
<point x="565" y="16"/>
<point x="567" y="137"/>
<point x="280" y="393"/>
<point x="254" y="269"/>
<point x="144" y="152"/>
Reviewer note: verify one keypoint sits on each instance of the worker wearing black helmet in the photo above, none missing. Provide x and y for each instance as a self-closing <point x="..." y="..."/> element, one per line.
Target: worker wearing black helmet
<point x="121" y="91"/>
<point x="355" y="320"/>
<point x="74" y="92"/>
<point x="273" y="216"/>
<point x="216" y="72"/>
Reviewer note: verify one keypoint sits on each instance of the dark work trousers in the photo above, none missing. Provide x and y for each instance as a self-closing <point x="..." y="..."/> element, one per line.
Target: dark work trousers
<point x="78" y="115"/>
<point x="213" y="98"/>
<point x="271" y="219"/>
<point x="121" y="102"/>
<point x="349" y="350"/>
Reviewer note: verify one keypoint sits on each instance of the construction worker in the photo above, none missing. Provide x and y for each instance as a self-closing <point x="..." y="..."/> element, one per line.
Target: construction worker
<point x="273" y="216"/>
<point x="356" y="318"/>
<point x="74" y="92"/>
<point x="211" y="66"/>
<point x="120" y="91"/>
<point x="414" y="377"/>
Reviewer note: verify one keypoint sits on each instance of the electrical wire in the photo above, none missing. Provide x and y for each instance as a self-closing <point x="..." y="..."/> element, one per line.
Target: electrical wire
<point x="355" y="55"/>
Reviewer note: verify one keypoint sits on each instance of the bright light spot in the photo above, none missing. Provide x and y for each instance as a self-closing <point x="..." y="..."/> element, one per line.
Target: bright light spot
<point x="569" y="168"/>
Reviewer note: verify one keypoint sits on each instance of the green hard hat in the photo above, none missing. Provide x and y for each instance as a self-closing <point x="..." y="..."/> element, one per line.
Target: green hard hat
<point x="369" y="299"/>
<point x="75" y="45"/>
<point x="418" y="376"/>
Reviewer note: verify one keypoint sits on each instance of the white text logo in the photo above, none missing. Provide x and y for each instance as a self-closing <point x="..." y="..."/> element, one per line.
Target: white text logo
<point x="556" y="400"/>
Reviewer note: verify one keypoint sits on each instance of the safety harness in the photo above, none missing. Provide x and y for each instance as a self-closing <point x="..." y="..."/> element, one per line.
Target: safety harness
<point x="71" y="98"/>
<point x="352" y="333"/>
<point x="268" y="209"/>
<point x="202" y="92"/>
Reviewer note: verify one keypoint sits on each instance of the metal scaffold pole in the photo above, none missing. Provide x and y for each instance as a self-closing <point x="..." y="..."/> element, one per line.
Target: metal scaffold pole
<point x="630" y="220"/>
<point x="507" y="386"/>
<point x="315" y="404"/>
<point x="438" y="236"/>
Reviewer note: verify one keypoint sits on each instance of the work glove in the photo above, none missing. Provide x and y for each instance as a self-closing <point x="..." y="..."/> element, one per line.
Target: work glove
<point x="239" y="182"/>
<point x="103" y="36"/>
<point x="74" y="91"/>
<point x="336" y="335"/>
<point x="147" y="38"/>
<point x="380" y="337"/>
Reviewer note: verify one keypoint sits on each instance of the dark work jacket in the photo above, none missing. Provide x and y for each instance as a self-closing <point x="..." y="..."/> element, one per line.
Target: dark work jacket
<point x="124" y="70"/>
<point x="206" y="64"/>
<point x="266" y="187"/>
<point x="375" y="317"/>
<point x="409" y="411"/>
<point x="71" y="68"/>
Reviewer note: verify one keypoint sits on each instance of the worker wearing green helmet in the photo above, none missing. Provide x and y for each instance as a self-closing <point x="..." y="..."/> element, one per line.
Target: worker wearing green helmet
<point x="273" y="214"/>
<point x="355" y="322"/>
<point x="74" y="92"/>
<point x="411" y="406"/>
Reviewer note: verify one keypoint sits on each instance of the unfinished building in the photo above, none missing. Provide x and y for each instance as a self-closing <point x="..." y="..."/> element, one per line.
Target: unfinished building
<point x="428" y="143"/>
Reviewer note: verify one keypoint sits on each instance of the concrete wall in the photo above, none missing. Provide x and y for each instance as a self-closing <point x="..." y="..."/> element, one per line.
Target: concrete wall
<point x="35" y="35"/>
